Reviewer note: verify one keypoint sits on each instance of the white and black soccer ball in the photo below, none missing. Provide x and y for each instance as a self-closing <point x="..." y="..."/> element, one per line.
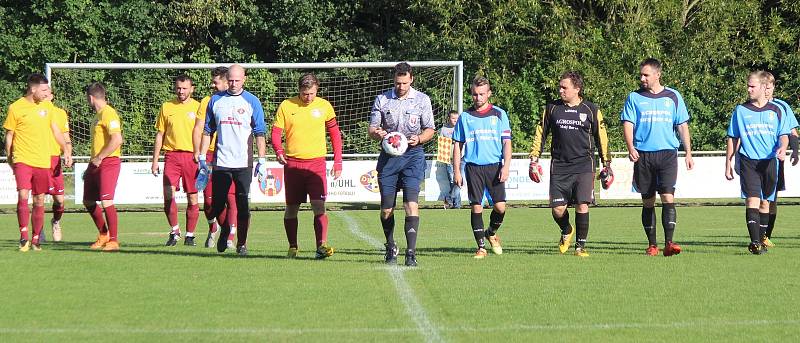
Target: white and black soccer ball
<point x="395" y="143"/>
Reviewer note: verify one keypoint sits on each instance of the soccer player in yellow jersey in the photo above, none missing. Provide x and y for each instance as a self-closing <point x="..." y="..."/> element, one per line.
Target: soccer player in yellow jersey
<point x="219" y="83"/>
<point x="100" y="178"/>
<point x="28" y="125"/>
<point x="174" y="127"/>
<point x="303" y="120"/>
<point x="56" y="172"/>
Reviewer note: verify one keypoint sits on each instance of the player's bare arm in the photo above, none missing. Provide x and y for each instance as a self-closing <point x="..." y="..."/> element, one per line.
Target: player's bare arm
<point x="729" y="151"/>
<point x="457" y="149"/>
<point x="504" y="171"/>
<point x="377" y="133"/>
<point x="9" y="140"/>
<point x="627" y="133"/>
<point x="781" y="152"/>
<point x="686" y="140"/>
<point x="113" y="143"/>
<point x="159" y="142"/>
<point x="423" y="137"/>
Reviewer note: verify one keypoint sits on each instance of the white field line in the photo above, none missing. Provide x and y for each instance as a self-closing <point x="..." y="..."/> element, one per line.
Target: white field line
<point x="424" y="325"/>
<point x="517" y="328"/>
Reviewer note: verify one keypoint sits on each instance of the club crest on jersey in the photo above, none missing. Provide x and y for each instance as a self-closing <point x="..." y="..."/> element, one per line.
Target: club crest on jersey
<point x="494" y="121"/>
<point x="667" y="103"/>
<point x="42" y="113"/>
<point x="583" y="116"/>
<point x="316" y="113"/>
<point x="413" y="120"/>
<point x="192" y="115"/>
<point x="771" y="115"/>
<point x="240" y="110"/>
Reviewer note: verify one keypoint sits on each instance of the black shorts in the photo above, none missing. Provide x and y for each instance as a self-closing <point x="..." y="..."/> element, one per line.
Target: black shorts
<point x="758" y="178"/>
<point x="571" y="189"/>
<point x="655" y="171"/>
<point x="781" y="180"/>
<point x="480" y="178"/>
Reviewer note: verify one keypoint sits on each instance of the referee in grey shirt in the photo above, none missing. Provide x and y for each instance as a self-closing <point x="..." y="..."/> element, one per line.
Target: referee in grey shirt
<point x="408" y="111"/>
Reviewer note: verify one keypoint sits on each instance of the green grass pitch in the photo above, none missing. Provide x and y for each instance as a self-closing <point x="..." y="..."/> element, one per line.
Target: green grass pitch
<point x="714" y="291"/>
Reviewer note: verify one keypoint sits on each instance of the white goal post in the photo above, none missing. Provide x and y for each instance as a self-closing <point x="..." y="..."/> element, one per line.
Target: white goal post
<point x="137" y="90"/>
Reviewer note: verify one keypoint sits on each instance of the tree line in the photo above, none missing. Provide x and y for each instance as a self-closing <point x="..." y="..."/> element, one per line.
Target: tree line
<point x="522" y="46"/>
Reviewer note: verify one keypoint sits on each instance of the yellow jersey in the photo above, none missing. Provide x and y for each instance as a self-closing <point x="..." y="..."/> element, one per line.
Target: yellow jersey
<point x="30" y="123"/>
<point x="304" y="126"/>
<point x="201" y="114"/>
<point x="176" y="121"/>
<point x="106" y="123"/>
<point x="59" y="116"/>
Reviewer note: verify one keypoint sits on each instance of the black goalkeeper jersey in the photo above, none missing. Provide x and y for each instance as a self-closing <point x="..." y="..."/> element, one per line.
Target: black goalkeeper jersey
<point x="576" y="132"/>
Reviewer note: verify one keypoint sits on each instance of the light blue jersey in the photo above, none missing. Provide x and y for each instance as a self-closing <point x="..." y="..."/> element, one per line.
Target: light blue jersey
<point x="235" y="119"/>
<point x="483" y="134"/>
<point x="654" y="118"/>
<point x="787" y="110"/>
<point x="758" y="129"/>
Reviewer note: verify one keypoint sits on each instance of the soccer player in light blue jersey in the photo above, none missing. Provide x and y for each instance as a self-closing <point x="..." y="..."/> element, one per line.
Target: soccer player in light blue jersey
<point x="483" y="134"/>
<point x="793" y="144"/>
<point x="236" y="116"/>
<point x="760" y="130"/>
<point x="650" y="118"/>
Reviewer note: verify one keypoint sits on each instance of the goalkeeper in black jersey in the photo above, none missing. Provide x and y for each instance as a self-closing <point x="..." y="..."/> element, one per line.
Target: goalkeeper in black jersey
<point x="577" y="128"/>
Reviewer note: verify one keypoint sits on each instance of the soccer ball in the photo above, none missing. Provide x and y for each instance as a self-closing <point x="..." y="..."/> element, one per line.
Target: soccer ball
<point x="395" y="143"/>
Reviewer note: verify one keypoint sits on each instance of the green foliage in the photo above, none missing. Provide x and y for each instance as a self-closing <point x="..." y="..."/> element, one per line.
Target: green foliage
<point x="708" y="46"/>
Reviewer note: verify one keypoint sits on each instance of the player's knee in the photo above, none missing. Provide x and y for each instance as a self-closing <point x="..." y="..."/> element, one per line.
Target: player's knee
<point x="386" y="212"/>
<point x="582" y="208"/>
<point x="38" y="200"/>
<point x="107" y="203"/>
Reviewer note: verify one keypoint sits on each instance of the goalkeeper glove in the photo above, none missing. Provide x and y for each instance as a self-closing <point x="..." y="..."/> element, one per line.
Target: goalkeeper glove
<point x="535" y="172"/>
<point x="261" y="169"/>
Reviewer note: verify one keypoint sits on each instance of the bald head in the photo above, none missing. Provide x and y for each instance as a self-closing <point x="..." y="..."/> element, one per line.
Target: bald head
<point x="236" y="78"/>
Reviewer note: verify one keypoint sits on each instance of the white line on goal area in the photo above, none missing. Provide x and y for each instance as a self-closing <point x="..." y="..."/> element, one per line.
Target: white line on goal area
<point x="424" y="325"/>
<point x="505" y="328"/>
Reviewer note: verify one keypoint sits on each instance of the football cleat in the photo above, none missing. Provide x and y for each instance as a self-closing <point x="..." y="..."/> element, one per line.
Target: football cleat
<point x="652" y="250"/>
<point x="765" y="240"/>
<point x="100" y="242"/>
<point x="222" y="240"/>
<point x="411" y="259"/>
<point x="324" y="251"/>
<point x="481" y="253"/>
<point x="581" y="251"/>
<point x="672" y="249"/>
<point x="494" y="242"/>
<point x="173" y="238"/>
<point x="391" y="253"/>
<point x="241" y="250"/>
<point x="292" y="253"/>
<point x="754" y="248"/>
<point x="111" y="246"/>
<point x="24" y="245"/>
<point x="56" y="231"/>
<point x="535" y="172"/>
<point x="563" y="243"/>
<point x="763" y="248"/>
<point x="210" y="240"/>
<point x="36" y="246"/>
<point x="189" y="240"/>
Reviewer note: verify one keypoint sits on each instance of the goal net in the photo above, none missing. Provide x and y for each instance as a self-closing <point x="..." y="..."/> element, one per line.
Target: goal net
<point x="137" y="91"/>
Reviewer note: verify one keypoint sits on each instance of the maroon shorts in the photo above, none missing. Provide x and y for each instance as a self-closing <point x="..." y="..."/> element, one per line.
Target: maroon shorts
<point x="305" y="178"/>
<point x="37" y="180"/>
<point x="180" y="166"/>
<point x="207" y="192"/>
<point x="100" y="183"/>
<point x="56" y="176"/>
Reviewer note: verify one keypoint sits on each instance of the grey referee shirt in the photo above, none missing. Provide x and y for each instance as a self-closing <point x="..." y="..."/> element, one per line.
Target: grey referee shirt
<point x="408" y="116"/>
